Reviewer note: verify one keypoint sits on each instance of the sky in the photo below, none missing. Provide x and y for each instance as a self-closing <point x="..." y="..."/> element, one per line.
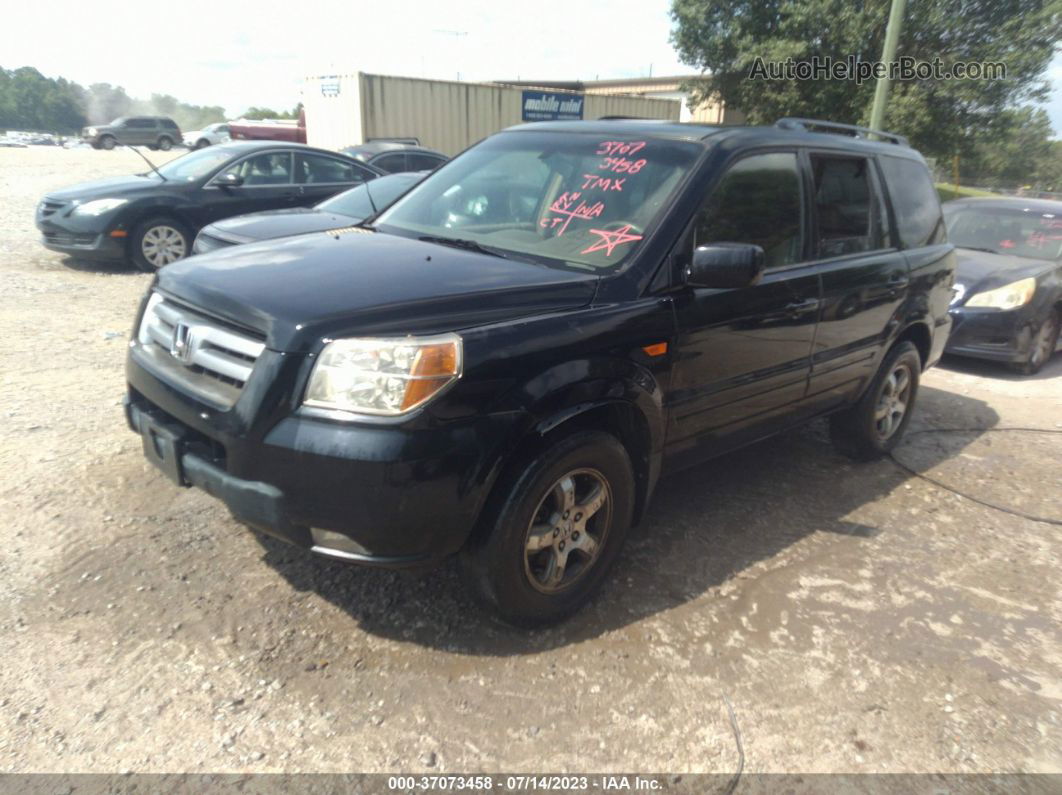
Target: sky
<point x="239" y="54"/>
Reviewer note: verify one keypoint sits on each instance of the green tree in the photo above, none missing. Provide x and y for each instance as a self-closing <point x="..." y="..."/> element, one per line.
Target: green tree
<point x="1014" y="154"/>
<point x="724" y="39"/>
<point x="255" y="113"/>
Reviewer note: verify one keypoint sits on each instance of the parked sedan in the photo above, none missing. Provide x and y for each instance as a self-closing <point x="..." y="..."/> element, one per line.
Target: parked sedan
<point x="347" y="208"/>
<point x="393" y="157"/>
<point x="151" y="218"/>
<point x="1008" y="292"/>
<point x="210" y="135"/>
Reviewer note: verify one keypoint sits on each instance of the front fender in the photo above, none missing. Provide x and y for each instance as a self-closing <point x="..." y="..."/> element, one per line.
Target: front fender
<point x="541" y="372"/>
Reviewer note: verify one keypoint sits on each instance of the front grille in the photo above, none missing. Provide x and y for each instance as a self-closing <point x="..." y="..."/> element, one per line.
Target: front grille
<point x="204" y="243"/>
<point x="50" y="207"/>
<point x="68" y="239"/>
<point x="212" y="359"/>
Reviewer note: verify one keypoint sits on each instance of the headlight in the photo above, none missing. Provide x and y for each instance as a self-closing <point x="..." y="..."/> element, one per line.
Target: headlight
<point x="1009" y="296"/>
<point x="90" y="130"/>
<point x="98" y="206"/>
<point x="387" y="377"/>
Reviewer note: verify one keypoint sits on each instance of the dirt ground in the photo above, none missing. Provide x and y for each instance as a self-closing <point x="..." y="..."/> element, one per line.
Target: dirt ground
<point x="858" y="618"/>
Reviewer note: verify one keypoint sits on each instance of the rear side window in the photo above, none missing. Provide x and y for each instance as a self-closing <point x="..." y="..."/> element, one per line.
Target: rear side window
<point x="140" y="124"/>
<point x="758" y="201"/>
<point x="392" y="164"/>
<point x="915" y="202"/>
<point x="422" y="162"/>
<point x="319" y="169"/>
<point x="169" y="124"/>
<point x="849" y="214"/>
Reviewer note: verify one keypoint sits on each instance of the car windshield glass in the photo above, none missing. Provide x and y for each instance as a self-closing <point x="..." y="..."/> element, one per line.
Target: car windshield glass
<point x="1021" y="232"/>
<point x="582" y="200"/>
<point x="364" y="200"/>
<point x="194" y="165"/>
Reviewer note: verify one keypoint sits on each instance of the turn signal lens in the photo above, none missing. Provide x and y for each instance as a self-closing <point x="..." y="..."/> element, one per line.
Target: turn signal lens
<point x="383" y="377"/>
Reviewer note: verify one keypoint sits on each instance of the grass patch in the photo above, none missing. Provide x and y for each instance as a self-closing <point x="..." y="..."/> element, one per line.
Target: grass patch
<point x="948" y="192"/>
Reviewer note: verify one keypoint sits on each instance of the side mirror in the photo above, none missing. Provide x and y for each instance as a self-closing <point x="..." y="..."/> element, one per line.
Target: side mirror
<point x="228" y="180"/>
<point x="723" y="265"/>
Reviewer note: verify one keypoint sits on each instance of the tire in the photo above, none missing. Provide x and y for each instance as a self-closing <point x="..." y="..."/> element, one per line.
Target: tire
<point x="202" y="143"/>
<point x="537" y="506"/>
<point x="165" y="143"/>
<point x="874" y="426"/>
<point x="107" y="142"/>
<point x="1042" y="345"/>
<point x="158" y="242"/>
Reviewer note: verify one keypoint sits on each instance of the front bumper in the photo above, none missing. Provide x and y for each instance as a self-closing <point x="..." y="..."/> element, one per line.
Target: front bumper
<point x="84" y="238"/>
<point x="381" y="495"/>
<point x="1001" y="336"/>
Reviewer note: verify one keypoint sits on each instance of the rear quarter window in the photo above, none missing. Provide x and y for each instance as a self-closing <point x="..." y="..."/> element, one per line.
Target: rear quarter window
<point x="915" y="201"/>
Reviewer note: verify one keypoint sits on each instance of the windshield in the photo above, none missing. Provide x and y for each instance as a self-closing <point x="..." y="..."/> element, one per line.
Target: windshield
<point x="194" y="165"/>
<point x="369" y="198"/>
<point x="1023" y="233"/>
<point x="584" y="201"/>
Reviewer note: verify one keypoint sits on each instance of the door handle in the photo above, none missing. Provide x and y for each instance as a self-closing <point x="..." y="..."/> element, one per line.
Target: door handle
<point x="898" y="282"/>
<point x="800" y="308"/>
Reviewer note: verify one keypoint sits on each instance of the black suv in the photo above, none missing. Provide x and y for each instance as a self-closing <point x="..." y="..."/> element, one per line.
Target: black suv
<point x="154" y="132"/>
<point x="504" y="362"/>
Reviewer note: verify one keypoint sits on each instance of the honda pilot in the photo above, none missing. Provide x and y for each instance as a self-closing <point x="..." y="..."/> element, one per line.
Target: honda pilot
<point x="504" y="363"/>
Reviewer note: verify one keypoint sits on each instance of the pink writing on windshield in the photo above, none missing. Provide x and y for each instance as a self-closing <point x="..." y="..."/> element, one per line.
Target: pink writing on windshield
<point x="565" y="209"/>
<point x="612" y="148"/>
<point x="609" y="239"/>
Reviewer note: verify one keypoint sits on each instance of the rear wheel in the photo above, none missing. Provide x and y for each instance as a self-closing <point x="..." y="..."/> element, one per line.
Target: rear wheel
<point x="159" y="242"/>
<point x="107" y="142"/>
<point x="1042" y="345"/>
<point x="875" y="425"/>
<point x="554" y="530"/>
<point x="165" y="144"/>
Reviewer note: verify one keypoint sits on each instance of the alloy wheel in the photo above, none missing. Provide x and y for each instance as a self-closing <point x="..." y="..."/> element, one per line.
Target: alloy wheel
<point x="163" y="245"/>
<point x="1043" y="345"/>
<point x="568" y="530"/>
<point x="893" y="401"/>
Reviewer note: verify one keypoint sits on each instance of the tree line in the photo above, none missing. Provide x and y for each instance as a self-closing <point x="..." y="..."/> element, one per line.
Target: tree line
<point x="32" y="102"/>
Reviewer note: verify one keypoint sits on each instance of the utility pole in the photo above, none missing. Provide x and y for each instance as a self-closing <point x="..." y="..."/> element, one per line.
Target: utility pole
<point x="888" y="55"/>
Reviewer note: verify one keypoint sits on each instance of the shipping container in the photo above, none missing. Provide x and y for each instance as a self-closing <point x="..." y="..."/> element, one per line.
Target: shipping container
<point x="346" y="110"/>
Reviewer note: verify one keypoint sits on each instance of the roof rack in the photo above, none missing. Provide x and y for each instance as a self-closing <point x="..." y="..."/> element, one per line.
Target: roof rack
<point x="855" y="131"/>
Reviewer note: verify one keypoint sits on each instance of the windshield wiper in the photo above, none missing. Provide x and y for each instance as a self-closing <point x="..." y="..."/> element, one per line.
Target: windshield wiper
<point x="977" y="248"/>
<point x="467" y="245"/>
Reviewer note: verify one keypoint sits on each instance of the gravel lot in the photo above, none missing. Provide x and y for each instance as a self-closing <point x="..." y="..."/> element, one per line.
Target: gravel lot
<point x="857" y="617"/>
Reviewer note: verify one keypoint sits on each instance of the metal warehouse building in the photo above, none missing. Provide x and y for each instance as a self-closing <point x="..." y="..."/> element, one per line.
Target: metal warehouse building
<point x="346" y="110"/>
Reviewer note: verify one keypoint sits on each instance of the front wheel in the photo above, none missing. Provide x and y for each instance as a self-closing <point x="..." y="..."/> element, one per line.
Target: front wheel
<point x="158" y="242"/>
<point x="874" y="426"/>
<point x="554" y="530"/>
<point x="107" y="142"/>
<point x="1042" y="345"/>
<point x="202" y="143"/>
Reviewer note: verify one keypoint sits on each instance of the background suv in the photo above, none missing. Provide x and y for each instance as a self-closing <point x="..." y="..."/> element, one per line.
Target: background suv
<point x="154" y="132"/>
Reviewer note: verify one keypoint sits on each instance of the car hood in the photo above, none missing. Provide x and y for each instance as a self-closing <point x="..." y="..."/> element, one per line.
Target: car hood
<point x="278" y="223"/>
<point x="302" y="289"/>
<point x="982" y="270"/>
<point x="106" y="188"/>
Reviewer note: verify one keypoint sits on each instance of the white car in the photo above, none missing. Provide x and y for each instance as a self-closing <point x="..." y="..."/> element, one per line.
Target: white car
<point x="209" y="135"/>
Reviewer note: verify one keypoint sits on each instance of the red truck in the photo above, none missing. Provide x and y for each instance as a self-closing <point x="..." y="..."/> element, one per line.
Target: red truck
<point x="269" y="129"/>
